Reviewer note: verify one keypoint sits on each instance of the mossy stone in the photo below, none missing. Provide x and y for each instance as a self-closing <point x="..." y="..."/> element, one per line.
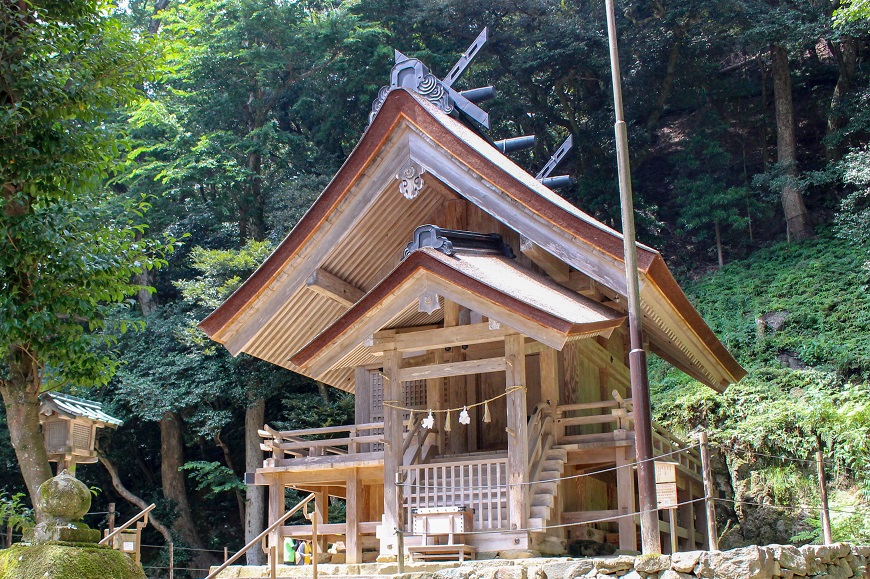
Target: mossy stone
<point x="57" y="561"/>
<point x="63" y="498"/>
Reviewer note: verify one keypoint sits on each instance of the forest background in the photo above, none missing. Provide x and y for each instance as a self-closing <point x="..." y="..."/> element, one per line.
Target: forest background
<point x="170" y="145"/>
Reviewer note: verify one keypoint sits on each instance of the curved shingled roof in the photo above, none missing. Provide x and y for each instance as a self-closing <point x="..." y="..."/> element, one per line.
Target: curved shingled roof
<point x="263" y="316"/>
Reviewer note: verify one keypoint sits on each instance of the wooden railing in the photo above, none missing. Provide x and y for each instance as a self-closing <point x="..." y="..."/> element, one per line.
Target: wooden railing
<point x="479" y="484"/>
<point x="621" y="417"/>
<point x="272" y="554"/>
<point x="665" y="441"/>
<point x="136" y="552"/>
<point x="542" y="435"/>
<point x="349" y="439"/>
<point x="614" y="413"/>
<point x="418" y="442"/>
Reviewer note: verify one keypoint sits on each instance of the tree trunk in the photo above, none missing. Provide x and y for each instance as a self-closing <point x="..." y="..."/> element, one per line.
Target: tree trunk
<point x="847" y="58"/>
<point x="797" y="219"/>
<point x="174" y="489"/>
<point x="21" y="399"/>
<point x="719" y="244"/>
<point x="257" y="209"/>
<point x="228" y="459"/>
<point x="255" y="496"/>
<point x="668" y="82"/>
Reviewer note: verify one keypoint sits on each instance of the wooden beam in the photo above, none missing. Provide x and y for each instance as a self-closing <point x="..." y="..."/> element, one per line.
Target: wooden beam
<point x="552" y="265"/>
<point x="453" y="369"/>
<point x="518" y="436"/>
<point x="334" y="288"/>
<point x="439" y="338"/>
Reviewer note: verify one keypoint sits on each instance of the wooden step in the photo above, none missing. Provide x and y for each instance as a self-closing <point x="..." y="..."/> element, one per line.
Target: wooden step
<point x="553" y="464"/>
<point x="442" y="552"/>
<point x="549" y="475"/>
<point x="543" y="500"/>
<point x="536" y="524"/>
<point x="540" y="512"/>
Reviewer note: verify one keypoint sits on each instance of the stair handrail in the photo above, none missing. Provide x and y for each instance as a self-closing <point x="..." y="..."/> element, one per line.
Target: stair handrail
<point x="541" y="415"/>
<point x="259" y="537"/>
<point x="143" y="513"/>
<point x="541" y="437"/>
<point x="413" y="431"/>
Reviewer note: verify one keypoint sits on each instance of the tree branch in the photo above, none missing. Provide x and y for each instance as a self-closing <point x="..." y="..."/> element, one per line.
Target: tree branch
<point x="131" y="498"/>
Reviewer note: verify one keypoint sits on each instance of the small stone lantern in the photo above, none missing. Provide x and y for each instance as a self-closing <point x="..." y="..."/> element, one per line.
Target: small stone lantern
<point x="69" y="428"/>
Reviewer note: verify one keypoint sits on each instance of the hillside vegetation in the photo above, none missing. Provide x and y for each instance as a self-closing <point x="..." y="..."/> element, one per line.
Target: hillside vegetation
<point x="798" y="318"/>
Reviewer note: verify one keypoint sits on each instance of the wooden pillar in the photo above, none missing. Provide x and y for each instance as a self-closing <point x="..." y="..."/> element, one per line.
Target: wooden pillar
<point x="685" y="516"/>
<point x="470" y="400"/>
<point x="435" y="394"/>
<point x="455" y="385"/>
<point x="549" y="360"/>
<point x="518" y="435"/>
<point x="276" y="509"/>
<point x="625" y="500"/>
<point x="354" y="510"/>
<point x="707" y="479"/>
<point x="362" y="401"/>
<point x="321" y="511"/>
<point x="392" y="451"/>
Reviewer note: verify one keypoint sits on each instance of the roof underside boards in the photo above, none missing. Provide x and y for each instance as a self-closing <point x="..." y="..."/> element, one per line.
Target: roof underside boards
<point x="492" y="285"/>
<point x="358" y="226"/>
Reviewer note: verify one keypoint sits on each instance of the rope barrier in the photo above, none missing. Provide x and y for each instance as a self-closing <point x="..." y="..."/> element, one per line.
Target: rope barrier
<point x="792" y="507"/>
<point x="395" y="405"/>
<point x="177" y="548"/>
<point x="827" y="462"/>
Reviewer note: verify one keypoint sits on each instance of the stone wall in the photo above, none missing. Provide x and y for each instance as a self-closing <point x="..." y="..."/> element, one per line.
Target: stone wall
<point x="837" y="561"/>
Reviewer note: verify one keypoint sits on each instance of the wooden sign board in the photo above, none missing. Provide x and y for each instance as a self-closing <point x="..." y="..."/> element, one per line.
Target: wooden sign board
<point x="666" y="494"/>
<point x="666" y="472"/>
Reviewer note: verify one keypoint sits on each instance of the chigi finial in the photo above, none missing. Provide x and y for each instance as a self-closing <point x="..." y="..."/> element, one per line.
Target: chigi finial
<point x="412" y="74"/>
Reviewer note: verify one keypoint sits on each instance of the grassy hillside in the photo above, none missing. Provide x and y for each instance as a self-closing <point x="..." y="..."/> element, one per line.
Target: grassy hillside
<point x="798" y="318"/>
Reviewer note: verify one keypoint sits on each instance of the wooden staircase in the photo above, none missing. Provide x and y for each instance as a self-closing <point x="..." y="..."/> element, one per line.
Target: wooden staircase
<point x="544" y="489"/>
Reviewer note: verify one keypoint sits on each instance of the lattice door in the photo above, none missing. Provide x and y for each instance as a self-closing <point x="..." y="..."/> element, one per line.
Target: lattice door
<point x="414" y="396"/>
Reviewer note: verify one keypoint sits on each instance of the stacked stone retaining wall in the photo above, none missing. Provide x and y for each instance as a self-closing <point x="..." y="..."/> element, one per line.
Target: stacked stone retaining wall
<point x="837" y="561"/>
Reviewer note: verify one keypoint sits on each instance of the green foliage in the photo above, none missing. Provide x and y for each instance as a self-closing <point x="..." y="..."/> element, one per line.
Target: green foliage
<point x="768" y="426"/>
<point x="69" y="252"/>
<point x="305" y="411"/>
<point x="849" y="521"/>
<point x="851" y="11"/>
<point x="219" y="272"/>
<point x="14" y="513"/>
<point x="855" y="209"/>
<point x="816" y="289"/>
<point x="214" y="477"/>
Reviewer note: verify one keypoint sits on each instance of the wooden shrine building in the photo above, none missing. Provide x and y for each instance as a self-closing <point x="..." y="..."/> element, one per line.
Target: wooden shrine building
<point x="434" y="273"/>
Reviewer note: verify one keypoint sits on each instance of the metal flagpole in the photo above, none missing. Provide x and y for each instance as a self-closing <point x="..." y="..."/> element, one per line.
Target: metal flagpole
<point x="646" y="483"/>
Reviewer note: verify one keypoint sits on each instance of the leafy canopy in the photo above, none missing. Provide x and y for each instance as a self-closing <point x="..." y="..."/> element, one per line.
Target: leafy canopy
<point x="69" y="253"/>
